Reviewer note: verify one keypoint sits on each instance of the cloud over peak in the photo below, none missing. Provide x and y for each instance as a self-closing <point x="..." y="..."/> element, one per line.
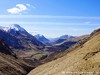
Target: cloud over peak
<point x="18" y="9"/>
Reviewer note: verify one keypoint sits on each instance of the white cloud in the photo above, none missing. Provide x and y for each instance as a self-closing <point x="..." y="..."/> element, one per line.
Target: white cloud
<point x="21" y="7"/>
<point x="48" y="16"/>
<point x="18" y="9"/>
<point x="49" y="23"/>
<point x="29" y="5"/>
<point x="88" y="22"/>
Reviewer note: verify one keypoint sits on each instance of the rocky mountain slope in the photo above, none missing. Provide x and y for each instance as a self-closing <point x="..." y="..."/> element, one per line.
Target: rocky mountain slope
<point x="4" y="48"/>
<point x="18" y="38"/>
<point x="81" y="59"/>
<point x="23" y="44"/>
<point x="9" y="64"/>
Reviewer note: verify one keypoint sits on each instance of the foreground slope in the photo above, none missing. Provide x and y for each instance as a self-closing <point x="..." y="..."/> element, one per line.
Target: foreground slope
<point x="83" y="60"/>
<point x="9" y="64"/>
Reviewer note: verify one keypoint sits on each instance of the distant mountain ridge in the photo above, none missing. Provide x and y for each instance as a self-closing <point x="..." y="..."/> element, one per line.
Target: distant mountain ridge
<point x="41" y="38"/>
<point x="61" y="39"/>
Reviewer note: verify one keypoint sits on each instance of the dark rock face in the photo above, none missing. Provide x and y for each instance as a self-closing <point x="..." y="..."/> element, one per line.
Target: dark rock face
<point x="4" y="48"/>
<point x="12" y="41"/>
<point x="26" y="40"/>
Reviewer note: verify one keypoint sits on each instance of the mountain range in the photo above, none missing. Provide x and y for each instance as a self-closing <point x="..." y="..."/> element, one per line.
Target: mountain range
<point x="61" y="39"/>
<point x="25" y="45"/>
<point x="18" y="38"/>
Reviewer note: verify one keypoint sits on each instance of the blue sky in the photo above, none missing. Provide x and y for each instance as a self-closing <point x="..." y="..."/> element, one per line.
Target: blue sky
<point x="52" y="18"/>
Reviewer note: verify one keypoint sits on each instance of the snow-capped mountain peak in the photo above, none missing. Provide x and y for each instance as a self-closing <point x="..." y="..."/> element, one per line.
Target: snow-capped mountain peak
<point x="16" y="27"/>
<point x="4" y="28"/>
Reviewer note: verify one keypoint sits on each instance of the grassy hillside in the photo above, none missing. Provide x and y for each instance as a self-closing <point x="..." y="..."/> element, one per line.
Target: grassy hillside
<point x="83" y="59"/>
<point x="10" y="64"/>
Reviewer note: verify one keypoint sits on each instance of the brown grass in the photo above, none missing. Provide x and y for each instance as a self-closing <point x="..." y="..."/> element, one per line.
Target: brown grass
<point x="9" y="65"/>
<point x="84" y="60"/>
